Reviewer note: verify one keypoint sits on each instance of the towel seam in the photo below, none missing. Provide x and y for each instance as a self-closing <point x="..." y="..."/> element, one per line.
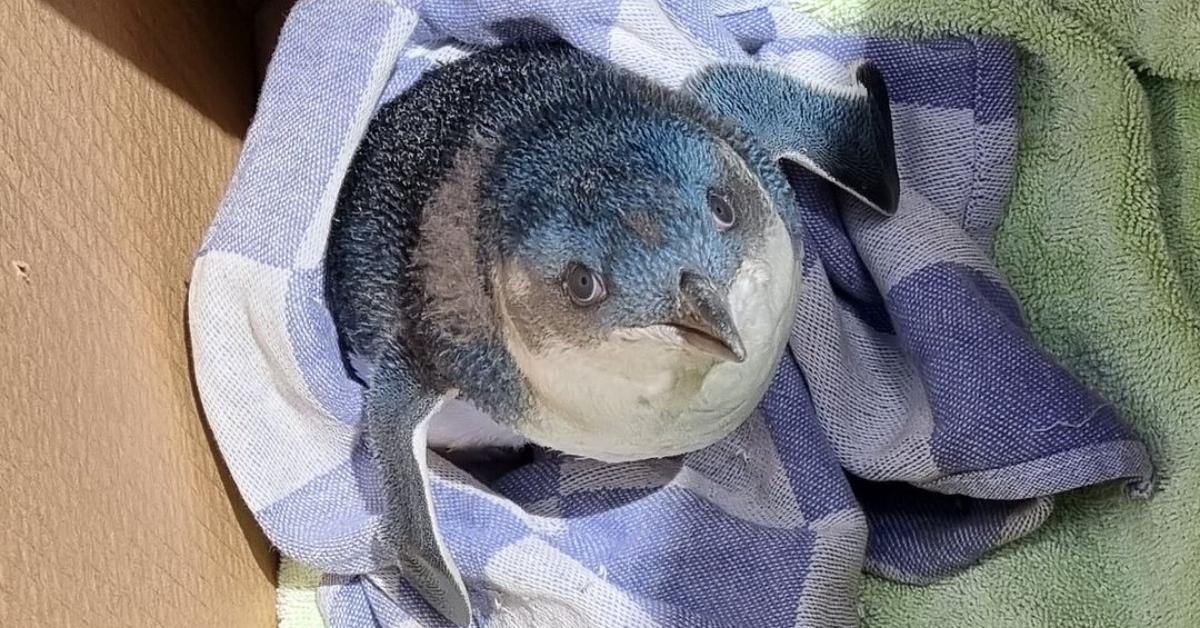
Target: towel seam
<point x="1133" y="467"/>
<point x="969" y="211"/>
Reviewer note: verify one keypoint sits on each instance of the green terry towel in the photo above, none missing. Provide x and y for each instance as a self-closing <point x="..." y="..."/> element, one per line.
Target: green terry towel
<point x="296" y="603"/>
<point x="1159" y="37"/>
<point x="1102" y="244"/>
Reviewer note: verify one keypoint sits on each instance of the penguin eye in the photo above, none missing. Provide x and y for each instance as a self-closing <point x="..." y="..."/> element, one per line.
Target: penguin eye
<point x="583" y="285"/>
<point x="722" y="211"/>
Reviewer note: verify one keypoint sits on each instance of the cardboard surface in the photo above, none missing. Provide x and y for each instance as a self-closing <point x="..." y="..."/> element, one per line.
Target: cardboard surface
<point x="120" y="123"/>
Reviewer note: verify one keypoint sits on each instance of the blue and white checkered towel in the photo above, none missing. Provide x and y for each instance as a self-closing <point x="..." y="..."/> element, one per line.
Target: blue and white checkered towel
<point x="913" y="426"/>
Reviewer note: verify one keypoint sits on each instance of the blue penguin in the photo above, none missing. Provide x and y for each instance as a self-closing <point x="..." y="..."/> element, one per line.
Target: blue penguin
<point x="600" y="265"/>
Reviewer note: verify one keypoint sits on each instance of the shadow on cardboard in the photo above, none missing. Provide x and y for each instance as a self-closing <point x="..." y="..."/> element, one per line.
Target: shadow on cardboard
<point x="201" y="51"/>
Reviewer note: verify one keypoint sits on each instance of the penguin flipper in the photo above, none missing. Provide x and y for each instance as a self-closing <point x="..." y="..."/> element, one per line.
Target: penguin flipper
<point x="398" y="413"/>
<point x="843" y="134"/>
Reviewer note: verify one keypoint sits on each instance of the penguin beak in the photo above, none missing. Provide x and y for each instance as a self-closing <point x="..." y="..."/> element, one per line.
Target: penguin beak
<point x="704" y="321"/>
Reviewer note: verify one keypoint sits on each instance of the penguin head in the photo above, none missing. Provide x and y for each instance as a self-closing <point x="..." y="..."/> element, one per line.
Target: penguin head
<point x="637" y="255"/>
<point x="628" y="211"/>
<point x="633" y="227"/>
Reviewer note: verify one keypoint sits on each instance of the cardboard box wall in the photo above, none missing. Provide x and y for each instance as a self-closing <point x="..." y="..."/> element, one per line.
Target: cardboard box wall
<point x="120" y="122"/>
